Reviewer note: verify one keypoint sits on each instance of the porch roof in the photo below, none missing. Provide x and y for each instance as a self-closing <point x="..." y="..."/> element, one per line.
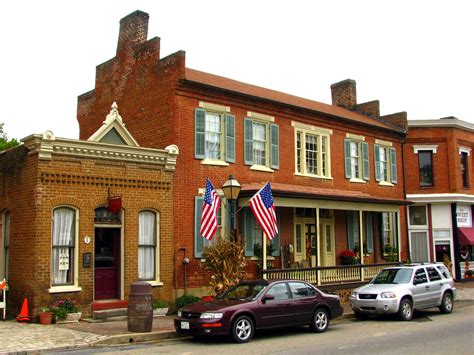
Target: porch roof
<point x="308" y="192"/>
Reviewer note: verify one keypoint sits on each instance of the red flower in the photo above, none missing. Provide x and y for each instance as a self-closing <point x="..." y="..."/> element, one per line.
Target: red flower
<point x="347" y="253"/>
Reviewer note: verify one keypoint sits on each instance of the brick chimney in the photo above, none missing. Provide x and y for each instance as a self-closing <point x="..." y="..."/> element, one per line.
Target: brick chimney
<point x="133" y="31"/>
<point x="344" y="93"/>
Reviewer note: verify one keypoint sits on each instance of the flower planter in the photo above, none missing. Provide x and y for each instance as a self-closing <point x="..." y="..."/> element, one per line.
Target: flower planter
<point x="70" y="318"/>
<point x="45" y="317"/>
<point x="160" y="312"/>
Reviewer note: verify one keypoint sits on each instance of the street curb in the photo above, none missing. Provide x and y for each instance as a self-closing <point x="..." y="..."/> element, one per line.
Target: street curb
<point x="121" y="339"/>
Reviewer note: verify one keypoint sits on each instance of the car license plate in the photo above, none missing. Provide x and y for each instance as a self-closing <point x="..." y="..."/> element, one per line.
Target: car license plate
<point x="184" y="325"/>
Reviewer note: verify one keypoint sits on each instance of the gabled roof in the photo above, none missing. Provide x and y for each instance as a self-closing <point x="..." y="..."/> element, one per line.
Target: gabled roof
<point x="220" y="82"/>
<point x="113" y="130"/>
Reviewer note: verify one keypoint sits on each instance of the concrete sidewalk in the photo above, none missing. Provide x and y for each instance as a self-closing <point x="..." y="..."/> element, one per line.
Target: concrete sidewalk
<point x="18" y="337"/>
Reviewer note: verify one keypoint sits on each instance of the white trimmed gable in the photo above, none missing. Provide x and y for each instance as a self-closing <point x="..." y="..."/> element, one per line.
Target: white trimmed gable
<point x="113" y="130"/>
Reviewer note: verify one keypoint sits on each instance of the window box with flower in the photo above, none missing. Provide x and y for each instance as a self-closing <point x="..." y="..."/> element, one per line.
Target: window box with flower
<point x="65" y="311"/>
<point x="348" y="257"/>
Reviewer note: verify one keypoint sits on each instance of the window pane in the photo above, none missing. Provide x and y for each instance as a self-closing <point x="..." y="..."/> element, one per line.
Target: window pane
<point x="213" y="136"/>
<point x="383" y="164"/>
<point x="299" y="153"/>
<point x="418" y="215"/>
<point x="425" y="168"/>
<point x="354" y="152"/>
<point x="63" y="245"/>
<point x="146" y="245"/>
<point x="279" y="291"/>
<point x="311" y="154"/>
<point x="419" y="247"/>
<point x="259" y="143"/>
<point x="464" y="170"/>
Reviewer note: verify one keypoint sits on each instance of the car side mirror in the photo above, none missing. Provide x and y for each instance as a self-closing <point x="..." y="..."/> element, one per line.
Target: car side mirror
<point x="267" y="298"/>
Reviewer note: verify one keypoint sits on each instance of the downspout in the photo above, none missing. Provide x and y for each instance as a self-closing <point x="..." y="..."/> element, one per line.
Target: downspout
<point x="457" y="251"/>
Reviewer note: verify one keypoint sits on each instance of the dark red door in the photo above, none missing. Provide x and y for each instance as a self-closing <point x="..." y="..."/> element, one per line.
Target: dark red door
<point x="107" y="263"/>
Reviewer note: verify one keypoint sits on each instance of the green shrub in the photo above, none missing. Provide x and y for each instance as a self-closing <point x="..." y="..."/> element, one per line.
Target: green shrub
<point x="159" y="304"/>
<point x="186" y="299"/>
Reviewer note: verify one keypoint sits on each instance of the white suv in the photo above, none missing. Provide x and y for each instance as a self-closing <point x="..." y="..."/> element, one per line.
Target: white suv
<point x="402" y="289"/>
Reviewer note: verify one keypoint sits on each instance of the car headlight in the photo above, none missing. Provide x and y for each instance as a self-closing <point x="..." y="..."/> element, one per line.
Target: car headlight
<point x="354" y="294"/>
<point x="388" y="295"/>
<point x="180" y="313"/>
<point x="211" y="315"/>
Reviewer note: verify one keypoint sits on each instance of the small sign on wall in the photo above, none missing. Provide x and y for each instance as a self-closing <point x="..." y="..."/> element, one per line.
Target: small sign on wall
<point x="86" y="259"/>
<point x="464" y="215"/>
<point x="64" y="261"/>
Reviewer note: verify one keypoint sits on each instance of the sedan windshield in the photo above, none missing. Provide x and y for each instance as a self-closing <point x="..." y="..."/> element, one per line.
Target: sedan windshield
<point x="393" y="276"/>
<point x="242" y="292"/>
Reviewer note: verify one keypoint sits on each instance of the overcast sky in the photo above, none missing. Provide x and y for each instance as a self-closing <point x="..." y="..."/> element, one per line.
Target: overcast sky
<point x="414" y="56"/>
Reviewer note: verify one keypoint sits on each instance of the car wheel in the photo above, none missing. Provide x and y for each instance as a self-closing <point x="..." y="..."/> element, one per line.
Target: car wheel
<point x="320" y="321"/>
<point x="361" y="316"/>
<point x="446" y="303"/>
<point x="405" y="312"/>
<point x="242" y="329"/>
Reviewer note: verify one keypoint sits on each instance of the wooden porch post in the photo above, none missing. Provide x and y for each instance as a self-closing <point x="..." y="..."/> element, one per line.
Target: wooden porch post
<point x="318" y="243"/>
<point x="361" y="244"/>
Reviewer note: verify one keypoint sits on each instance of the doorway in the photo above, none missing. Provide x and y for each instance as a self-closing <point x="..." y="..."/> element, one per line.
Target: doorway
<point x="107" y="263"/>
<point x="326" y="232"/>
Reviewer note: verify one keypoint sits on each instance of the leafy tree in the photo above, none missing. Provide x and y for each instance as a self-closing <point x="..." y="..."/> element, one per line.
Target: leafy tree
<point x="5" y="143"/>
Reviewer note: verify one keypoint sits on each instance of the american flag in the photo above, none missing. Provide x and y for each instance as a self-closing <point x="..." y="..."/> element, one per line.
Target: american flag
<point x="209" y="211"/>
<point x="264" y="211"/>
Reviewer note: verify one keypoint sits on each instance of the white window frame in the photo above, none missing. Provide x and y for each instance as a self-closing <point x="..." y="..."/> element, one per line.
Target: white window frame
<point x="74" y="287"/>
<point x="418" y="226"/>
<point x="265" y="120"/>
<point x="410" y="232"/>
<point x="157" y="279"/>
<point x="319" y="133"/>
<point x="387" y="180"/>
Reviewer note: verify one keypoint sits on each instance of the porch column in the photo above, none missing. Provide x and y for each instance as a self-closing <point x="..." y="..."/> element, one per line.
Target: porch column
<point x="361" y="244"/>
<point x="318" y="243"/>
<point x="264" y="251"/>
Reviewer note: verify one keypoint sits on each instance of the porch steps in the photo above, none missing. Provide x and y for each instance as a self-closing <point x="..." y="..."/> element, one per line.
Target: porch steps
<point x="108" y="315"/>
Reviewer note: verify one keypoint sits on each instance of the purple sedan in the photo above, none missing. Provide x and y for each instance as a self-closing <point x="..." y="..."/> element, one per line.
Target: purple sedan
<point x="260" y="304"/>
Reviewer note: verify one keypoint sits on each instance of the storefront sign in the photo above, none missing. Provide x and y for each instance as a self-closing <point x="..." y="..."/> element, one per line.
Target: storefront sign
<point x="464" y="215"/>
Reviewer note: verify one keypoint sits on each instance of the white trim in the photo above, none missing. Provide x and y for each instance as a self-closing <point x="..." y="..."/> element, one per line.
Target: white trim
<point x="417" y="148"/>
<point x="442" y="122"/>
<point x="214" y="162"/>
<point x="355" y="137"/>
<point x="260" y="116"/>
<point x="154" y="283"/>
<point x="357" y="180"/>
<point x="386" y="183"/>
<point x="382" y="142"/>
<point x="303" y="126"/>
<point x="60" y="289"/>
<point x="465" y="150"/>
<point x="314" y="176"/>
<point x="426" y="231"/>
<point x="213" y="107"/>
<point x="261" y="168"/>
<point x="431" y="198"/>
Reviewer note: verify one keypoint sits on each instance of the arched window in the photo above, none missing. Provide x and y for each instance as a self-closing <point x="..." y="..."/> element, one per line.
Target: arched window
<point x="148" y="242"/>
<point x="63" y="246"/>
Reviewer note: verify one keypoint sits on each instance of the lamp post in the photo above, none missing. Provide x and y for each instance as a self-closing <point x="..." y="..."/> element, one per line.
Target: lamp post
<point x="231" y="190"/>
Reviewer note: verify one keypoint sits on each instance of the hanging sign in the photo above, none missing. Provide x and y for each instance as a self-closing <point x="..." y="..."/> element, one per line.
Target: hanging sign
<point x="464" y="215"/>
<point x="63" y="261"/>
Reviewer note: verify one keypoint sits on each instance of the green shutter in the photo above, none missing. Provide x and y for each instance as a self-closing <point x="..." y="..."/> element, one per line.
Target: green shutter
<point x="365" y="161"/>
<point x="200" y="133"/>
<point x="369" y="232"/>
<point x="276" y="238"/>
<point x="347" y="158"/>
<point x="393" y="165"/>
<point x="248" y="229"/>
<point x="229" y="138"/>
<point x="248" y="143"/>
<point x="378" y="174"/>
<point x="350" y="230"/>
<point x="198" y="239"/>
<point x="274" y="151"/>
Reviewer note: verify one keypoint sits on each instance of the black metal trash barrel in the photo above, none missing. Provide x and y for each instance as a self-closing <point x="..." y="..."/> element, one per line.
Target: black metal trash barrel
<point x="139" y="310"/>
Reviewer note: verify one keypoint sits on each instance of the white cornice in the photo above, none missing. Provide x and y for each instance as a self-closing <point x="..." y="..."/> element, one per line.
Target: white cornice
<point x="442" y="122"/>
<point x="432" y="198"/>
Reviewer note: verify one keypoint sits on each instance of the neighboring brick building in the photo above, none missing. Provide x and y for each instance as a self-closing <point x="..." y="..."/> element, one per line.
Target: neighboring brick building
<point x="338" y="167"/>
<point x="72" y="212"/>
<point x="440" y="180"/>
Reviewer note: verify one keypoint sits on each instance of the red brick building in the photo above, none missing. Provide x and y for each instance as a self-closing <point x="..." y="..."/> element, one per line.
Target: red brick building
<point x="84" y="219"/>
<point x="335" y="170"/>
<point x="438" y="155"/>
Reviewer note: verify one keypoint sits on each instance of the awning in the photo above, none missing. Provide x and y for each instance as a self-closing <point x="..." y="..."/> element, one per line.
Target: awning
<point x="466" y="236"/>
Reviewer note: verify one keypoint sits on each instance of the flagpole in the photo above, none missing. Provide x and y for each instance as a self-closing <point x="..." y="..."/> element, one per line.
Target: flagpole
<point x="264" y="257"/>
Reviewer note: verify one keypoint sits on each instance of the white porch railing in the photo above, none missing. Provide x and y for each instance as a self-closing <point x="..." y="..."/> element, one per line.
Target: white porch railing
<point x="328" y="275"/>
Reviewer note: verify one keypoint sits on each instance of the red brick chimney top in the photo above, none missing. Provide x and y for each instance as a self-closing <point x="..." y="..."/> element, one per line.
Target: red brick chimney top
<point x="133" y="31"/>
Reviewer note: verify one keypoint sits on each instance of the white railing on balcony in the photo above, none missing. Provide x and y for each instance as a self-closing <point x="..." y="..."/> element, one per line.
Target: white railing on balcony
<point x="328" y="275"/>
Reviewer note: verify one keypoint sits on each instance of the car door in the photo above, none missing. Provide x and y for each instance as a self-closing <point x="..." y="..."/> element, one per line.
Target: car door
<point x="436" y="284"/>
<point x="302" y="303"/>
<point x="276" y="311"/>
<point x="420" y="288"/>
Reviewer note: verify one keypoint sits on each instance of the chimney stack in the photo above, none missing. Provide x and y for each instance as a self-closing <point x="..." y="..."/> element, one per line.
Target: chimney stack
<point x="344" y="93"/>
<point x="133" y="31"/>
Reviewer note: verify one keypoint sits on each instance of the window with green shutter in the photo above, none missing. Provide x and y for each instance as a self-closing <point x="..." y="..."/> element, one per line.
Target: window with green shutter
<point x="385" y="158"/>
<point x="253" y="234"/>
<point x="356" y="158"/>
<point x="261" y="144"/>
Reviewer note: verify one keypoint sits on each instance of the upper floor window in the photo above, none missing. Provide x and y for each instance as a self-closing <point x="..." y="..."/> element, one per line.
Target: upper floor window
<point x="64" y="246"/>
<point x="385" y="163"/>
<point x="312" y="151"/>
<point x="261" y="142"/>
<point x="148" y="261"/>
<point x="464" y="169"/>
<point x="425" y="167"/>
<point x="418" y="215"/>
<point x="214" y="134"/>
<point x="356" y="158"/>
<point x="5" y="246"/>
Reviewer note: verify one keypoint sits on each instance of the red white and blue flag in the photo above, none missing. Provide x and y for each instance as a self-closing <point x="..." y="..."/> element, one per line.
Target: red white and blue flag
<point x="210" y="207"/>
<point x="264" y="211"/>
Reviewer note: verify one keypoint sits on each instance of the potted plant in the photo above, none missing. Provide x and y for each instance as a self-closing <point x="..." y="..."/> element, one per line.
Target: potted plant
<point x="45" y="316"/>
<point x="348" y="257"/>
<point x="160" y="308"/>
<point x="65" y="311"/>
<point x="469" y="274"/>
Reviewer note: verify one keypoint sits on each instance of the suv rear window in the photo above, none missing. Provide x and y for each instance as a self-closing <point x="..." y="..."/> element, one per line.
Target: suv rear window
<point x="433" y="274"/>
<point x="444" y="271"/>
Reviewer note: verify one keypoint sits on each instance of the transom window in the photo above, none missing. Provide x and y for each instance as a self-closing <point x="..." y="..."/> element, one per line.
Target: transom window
<point x="356" y="153"/>
<point x="63" y="246"/>
<point x="385" y="164"/>
<point x="312" y="153"/>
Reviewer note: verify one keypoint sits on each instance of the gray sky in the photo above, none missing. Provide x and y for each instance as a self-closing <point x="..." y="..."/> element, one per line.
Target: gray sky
<point x="413" y="56"/>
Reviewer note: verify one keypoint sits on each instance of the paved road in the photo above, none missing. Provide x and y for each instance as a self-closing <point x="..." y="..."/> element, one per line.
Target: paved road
<point x="429" y="333"/>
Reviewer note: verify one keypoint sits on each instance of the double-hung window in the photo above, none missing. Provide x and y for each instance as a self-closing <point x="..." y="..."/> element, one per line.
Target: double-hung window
<point x="148" y="261"/>
<point x="385" y="163"/>
<point x="64" y="246"/>
<point x="5" y="246"/>
<point x="425" y="166"/>
<point x="261" y="142"/>
<point x="312" y="151"/>
<point x="214" y="134"/>
<point x="200" y="243"/>
<point x="389" y="236"/>
<point x="254" y="237"/>
<point x="464" y="153"/>
<point x="356" y="158"/>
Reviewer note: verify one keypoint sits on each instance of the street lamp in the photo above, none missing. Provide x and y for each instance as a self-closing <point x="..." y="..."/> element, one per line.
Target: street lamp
<point x="231" y="190"/>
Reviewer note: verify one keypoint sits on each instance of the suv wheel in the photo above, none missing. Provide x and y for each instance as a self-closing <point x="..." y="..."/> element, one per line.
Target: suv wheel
<point x="446" y="303"/>
<point x="405" y="312"/>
